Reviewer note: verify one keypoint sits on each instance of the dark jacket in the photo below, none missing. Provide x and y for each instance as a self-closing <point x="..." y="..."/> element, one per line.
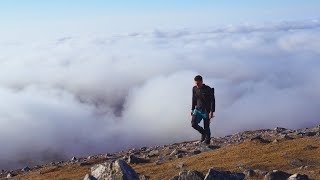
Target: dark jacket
<point x="203" y="98"/>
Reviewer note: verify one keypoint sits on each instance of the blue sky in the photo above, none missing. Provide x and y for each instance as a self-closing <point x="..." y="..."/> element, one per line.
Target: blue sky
<point x="83" y="16"/>
<point x="78" y="6"/>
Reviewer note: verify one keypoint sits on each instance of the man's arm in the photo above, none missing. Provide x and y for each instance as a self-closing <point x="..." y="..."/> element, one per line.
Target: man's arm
<point x="193" y="100"/>
<point x="213" y="102"/>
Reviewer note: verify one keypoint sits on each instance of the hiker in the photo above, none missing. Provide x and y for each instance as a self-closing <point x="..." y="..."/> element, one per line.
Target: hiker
<point x="203" y="106"/>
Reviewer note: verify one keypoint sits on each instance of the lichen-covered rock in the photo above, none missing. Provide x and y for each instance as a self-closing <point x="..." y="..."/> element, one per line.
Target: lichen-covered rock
<point x="279" y="129"/>
<point x="89" y="177"/>
<point x="154" y="153"/>
<point x="25" y="169"/>
<point x="286" y="137"/>
<point x="249" y="173"/>
<point x="135" y="160"/>
<point x="9" y="175"/>
<point x="258" y="138"/>
<point x="143" y="177"/>
<point x="196" y="152"/>
<point x="180" y="165"/>
<point x="275" y="141"/>
<point x="116" y="170"/>
<point x="260" y="172"/>
<point x="188" y="174"/>
<point x="298" y="177"/>
<point x="277" y="175"/>
<point x="175" y="152"/>
<point x="74" y="159"/>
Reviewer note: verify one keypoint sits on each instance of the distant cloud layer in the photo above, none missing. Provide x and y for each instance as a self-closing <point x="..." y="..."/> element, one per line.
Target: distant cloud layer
<point x="84" y="95"/>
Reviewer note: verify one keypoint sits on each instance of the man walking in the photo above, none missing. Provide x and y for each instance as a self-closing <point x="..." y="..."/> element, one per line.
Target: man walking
<point x="203" y="106"/>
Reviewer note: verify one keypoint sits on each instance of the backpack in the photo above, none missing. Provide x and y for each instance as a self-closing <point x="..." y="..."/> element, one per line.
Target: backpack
<point x="201" y="96"/>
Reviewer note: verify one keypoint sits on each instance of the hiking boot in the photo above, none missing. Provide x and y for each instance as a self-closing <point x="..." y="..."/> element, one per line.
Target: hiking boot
<point x="207" y="141"/>
<point x="203" y="137"/>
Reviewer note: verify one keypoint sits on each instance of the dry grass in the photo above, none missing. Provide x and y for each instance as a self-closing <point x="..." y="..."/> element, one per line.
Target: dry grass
<point x="251" y="154"/>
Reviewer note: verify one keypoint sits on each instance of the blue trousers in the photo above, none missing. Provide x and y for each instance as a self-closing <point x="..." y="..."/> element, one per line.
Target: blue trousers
<point x="197" y="116"/>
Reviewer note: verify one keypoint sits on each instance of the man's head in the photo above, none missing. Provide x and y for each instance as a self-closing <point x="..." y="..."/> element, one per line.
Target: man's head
<point x="198" y="81"/>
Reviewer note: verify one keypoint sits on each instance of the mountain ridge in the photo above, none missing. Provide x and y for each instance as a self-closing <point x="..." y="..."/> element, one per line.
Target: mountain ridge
<point x="259" y="151"/>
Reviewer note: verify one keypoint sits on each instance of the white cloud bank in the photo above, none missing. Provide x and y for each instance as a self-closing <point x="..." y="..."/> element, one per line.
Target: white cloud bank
<point x="85" y="95"/>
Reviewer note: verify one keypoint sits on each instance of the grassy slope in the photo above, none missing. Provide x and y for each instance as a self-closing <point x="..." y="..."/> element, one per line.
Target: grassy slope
<point x="251" y="154"/>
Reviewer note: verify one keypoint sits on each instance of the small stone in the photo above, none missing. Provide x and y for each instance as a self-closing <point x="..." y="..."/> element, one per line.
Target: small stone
<point x="179" y="156"/>
<point x="132" y="151"/>
<point x="25" y="169"/>
<point x="213" y="174"/>
<point x="180" y="165"/>
<point x="258" y="138"/>
<point x="296" y="162"/>
<point x="241" y="166"/>
<point x="249" y="173"/>
<point x="298" y="177"/>
<point x="299" y="133"/>
<point x="285" y="136"/>
<point x="89" y="177"/>
<point x="176" y="151"/>
<point x="277" y="175"/>
<point x="196" y="152"/>
<point x="143" y="177"/>
<point x="161" y="158"/>
<point x="108" y="155"/>
<point x="188" y="174"/>
<point x="84" y="164"/>
<point x="74" y="159"/>
<point x="154" y="153"/>
<point x="310" y="133"/>
<point x="135" y="160"/>
<point x="37" y="167"/>
<point x="310" y="147"/>
<point x="260" y="172"/>
<point x="196" y="143"/>
<point x="279" y="129"/>
<point x="60" y="162"/>
<point x="143" y="148"/>
<point x="9" y="175"/>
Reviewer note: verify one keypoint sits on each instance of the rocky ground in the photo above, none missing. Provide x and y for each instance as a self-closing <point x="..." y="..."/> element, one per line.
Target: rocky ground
<point x="277" y="153"/>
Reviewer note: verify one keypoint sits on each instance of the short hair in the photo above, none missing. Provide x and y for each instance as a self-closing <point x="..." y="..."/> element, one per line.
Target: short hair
<point x="198" y="78"/>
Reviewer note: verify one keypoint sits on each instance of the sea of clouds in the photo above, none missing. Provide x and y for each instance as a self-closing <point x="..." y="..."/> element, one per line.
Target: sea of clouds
<point x="83" y="95"/>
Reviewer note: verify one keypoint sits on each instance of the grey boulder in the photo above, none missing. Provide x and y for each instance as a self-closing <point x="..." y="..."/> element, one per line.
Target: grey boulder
<point x="188" y="175"/>
<point x="116" y="170"/>
<point x="223" y="175"/>
<point x="277" y="175"/>
<point x="298" y="177"/>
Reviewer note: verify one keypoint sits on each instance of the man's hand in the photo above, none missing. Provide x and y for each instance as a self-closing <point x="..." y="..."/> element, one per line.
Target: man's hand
<point x="210" y="115"/>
